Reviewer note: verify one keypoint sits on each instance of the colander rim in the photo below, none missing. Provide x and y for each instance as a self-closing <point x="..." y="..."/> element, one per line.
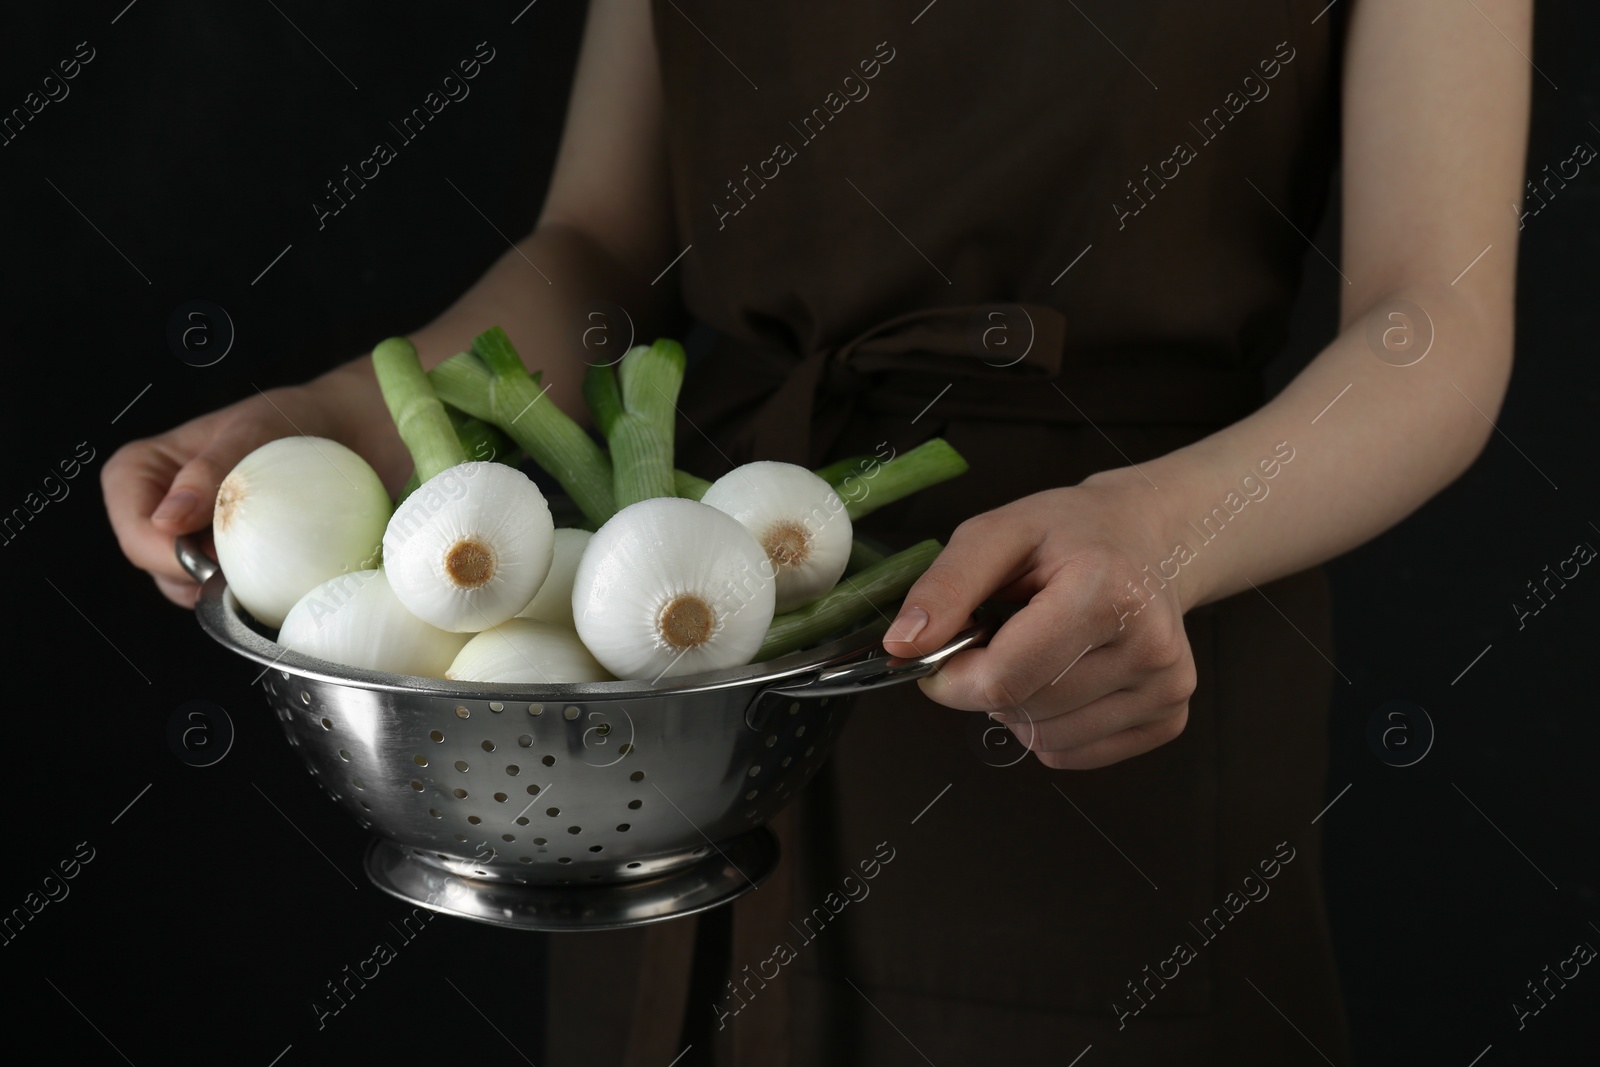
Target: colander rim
<point x="221" y="617"/>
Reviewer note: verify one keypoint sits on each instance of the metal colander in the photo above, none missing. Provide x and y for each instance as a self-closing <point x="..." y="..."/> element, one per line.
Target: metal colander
<point x="563" y="807"/>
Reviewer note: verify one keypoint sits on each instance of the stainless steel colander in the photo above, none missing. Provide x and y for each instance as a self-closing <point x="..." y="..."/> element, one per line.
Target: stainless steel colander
<point x="564" y="807"/>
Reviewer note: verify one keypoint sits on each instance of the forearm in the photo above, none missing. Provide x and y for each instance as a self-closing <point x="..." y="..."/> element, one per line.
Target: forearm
<point x="540" y="292"/>
<point x="1387" y="444"/>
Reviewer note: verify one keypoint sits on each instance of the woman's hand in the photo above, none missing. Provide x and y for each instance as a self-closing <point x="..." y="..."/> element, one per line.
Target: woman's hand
<point x="1096" y="667"/>
<point x="163" y="486"/>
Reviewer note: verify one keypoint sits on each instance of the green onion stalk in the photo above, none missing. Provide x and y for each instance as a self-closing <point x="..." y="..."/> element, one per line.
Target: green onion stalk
<point x="859" y="596"/>
<point x="545" y="432"/>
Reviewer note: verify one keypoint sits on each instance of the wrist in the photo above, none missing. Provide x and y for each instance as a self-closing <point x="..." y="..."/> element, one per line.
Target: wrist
<point x="1152" y="497"/>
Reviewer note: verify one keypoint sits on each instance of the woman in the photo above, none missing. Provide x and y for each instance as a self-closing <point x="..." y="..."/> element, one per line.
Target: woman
<point x="1065" y="238"/>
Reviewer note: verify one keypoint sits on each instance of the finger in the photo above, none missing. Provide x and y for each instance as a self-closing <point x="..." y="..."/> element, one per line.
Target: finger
<point x="159" y="489"/>
<point x="133" y="481"/>
<point x="983" y="555"/>
<point x="1134" y="741"/>
<point x="967" y="683"/>
<point x="191" y="498"/>
<point x="1056" y="633"/>
<point x="1113" y="713"/>
<point x="183" y="594"/>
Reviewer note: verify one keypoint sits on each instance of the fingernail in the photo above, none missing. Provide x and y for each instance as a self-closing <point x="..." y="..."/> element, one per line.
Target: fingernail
<point x="911" y="622"/>
<point x="176" y="507"/>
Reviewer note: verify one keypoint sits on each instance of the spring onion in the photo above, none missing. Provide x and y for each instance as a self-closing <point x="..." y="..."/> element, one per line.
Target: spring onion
<point x="470" y="548"/>
<point x="528" y="652"/>
<point x="479" y="440"/>
<point x="292" y="514"/>
<point x="796" y="517"/>
<point x="553" y="602"/>
<point x="355" y="619"/>
<point x="670" y="587"/>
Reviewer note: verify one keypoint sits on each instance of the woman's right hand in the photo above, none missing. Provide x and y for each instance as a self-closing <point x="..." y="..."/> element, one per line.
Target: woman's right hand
<point x="160" y="487"/>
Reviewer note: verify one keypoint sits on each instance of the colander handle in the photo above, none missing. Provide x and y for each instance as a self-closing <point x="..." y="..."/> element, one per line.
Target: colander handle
<point x="877" y="671"/>
<point x="192" y="558"/>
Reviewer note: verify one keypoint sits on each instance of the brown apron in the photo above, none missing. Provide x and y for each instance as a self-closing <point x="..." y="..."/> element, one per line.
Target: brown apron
<point x="903" y="273"/>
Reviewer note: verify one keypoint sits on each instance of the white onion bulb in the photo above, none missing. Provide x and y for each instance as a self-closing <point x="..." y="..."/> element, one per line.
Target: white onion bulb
<point x="798" y="519"/>
<point x="670" y="586"/>
<point x="528" y="652"/>
<point x="469" y="548"/>
<point x="553" y="602"/>
<point x="355" y="619"/>
<point x="294" y="513"/>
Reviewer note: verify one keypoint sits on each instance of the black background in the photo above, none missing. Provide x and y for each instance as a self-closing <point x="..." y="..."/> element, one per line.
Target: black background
<point x="206" y="923"/>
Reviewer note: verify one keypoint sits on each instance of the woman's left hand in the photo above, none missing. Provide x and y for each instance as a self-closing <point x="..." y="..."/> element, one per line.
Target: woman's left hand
<point x="1096" y="667"/>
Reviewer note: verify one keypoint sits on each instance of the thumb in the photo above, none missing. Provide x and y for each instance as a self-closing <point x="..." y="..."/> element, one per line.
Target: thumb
<point x="985" y="554"/>
<point x="189" y="501"/>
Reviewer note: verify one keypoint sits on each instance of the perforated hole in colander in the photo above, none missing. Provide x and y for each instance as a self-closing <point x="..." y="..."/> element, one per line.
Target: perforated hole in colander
<point x="535" y="709"/>
<point x="522" y="820"/>
<point x="540" y="841"/>
<point x="435" y="736"/>
<point x="508" y="837"/>
<point x="533" y="790"/>
<point x="419" y="760"/>
<point x="635" y="805"/>
<point x="574" y="829"/>
<point x="636" y="776"/>
<point x="459" y="793"/>
<point x="513" y="770"/>
<point x="462" y="712"/>
<point x="549" y="761"/>
<point x="552" y="812"/>
<point x="622" y="827"/>
<point x="496" y="707"/>
<point x="487" y="746"/>
<point x="525" y="741"/>
<point x="418" y="786"/>
<point x="501" y="797"/>
<point x="571" y="713"/>
<point x="327" y="724"/>
<point x="344" y="755"/>
<point x="462" y="766"/>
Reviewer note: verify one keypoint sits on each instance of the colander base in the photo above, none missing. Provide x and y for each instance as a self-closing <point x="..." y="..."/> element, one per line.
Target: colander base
<point x="734" y="868"/>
